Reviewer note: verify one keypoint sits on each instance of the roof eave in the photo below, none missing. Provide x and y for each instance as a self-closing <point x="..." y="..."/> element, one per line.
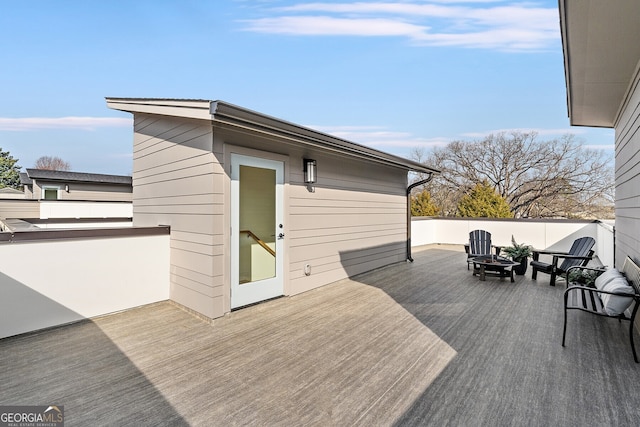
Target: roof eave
<point x="600" y="50"/>
<point x="225" y="114"/>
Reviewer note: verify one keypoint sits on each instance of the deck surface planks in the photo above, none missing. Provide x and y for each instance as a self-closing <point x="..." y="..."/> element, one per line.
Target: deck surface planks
<point x="421" y="343"/>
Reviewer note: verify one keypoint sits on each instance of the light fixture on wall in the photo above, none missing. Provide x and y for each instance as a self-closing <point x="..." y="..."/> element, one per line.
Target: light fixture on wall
<point x="66" y="188"/>
<point x="309" y="171"/>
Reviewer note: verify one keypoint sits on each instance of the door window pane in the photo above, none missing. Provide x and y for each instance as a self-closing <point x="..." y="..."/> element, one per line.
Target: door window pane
<point x="257" y="244"/>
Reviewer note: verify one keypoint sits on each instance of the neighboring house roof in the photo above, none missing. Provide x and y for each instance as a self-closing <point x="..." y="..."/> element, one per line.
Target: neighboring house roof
<point x="9" y="190"/>
<point x="601" y="52"/>
<point x="24" y="179"/>
<point x="229" y="115"/>
<point x="52" y="175"/>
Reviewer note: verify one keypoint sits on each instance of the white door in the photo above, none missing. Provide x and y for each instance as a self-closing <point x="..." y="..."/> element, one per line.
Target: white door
<point x="257" y="230"/>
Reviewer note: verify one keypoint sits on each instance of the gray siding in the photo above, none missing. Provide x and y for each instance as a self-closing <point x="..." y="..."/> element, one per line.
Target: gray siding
<point x="24" y="209"/>
<point x="98" y="192"/>
<point x="178" y="182"/>
<point x="354" y="221"/>
<point x="80" y="191"/>
<point x="627" y="173"/>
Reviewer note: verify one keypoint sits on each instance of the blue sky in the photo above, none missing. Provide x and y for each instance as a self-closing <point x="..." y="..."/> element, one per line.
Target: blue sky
<point x="390" y="75"/>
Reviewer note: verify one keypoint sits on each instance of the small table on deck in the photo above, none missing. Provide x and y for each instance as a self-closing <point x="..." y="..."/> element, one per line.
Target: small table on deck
<point x="497" y="265"/>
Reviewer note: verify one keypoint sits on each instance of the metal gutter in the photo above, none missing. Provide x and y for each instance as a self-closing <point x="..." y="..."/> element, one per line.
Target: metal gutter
<point x="409" y="188"/>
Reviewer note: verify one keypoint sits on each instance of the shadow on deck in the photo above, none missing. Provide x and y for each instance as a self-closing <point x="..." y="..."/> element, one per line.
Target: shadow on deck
<point x="410" y="344"/>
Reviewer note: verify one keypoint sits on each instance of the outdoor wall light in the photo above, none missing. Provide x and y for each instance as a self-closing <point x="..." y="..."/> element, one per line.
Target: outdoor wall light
<point x="309" y="171"/>
<point x="66" y="188"/>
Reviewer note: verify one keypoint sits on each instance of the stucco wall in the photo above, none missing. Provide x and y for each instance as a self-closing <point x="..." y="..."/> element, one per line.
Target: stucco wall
<point x="553" y="235"/>
<point x="70" y="279"/>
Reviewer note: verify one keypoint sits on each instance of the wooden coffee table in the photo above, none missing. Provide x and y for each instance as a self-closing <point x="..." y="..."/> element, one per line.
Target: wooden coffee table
<point x="495" y="265"/>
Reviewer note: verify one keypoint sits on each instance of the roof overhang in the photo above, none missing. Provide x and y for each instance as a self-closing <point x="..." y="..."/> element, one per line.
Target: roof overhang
<point x="67" y="176"/>
<point x="601" y="44"/>
<point x="231" y="116"/>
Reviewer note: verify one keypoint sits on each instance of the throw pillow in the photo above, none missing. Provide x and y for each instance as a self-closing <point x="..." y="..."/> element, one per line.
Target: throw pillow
<point x="606" y="277"/>
<point x="616" y="304"/>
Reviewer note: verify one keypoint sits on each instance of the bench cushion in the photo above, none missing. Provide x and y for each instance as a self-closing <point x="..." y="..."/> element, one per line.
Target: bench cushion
<point x="614" y="304"/>
<point x="606" y="277"/>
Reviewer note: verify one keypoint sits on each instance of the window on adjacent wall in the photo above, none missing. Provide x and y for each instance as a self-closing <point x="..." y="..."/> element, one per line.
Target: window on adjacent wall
<point x="50" y="193"/>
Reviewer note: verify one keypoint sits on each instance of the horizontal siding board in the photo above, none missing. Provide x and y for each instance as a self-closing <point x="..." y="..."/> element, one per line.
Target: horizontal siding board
<point x="342" y="231"/>
<point x="162" y="161"/>
<point x="211" y="307"/>
<point x="189" y="223"/>
<point x="207" y="209"/>
<point x="201" y="184"/>
<point x="352" y="210"/>
<point x="382" y="236"/>
<point x="201" y="288"/>
<point x="19" y="209"/>
<point x="198" y="138"/>
<point x="189" y="199"/>
<point x="202" y="238"/>
<point x="313" y="222"/>
<point x="196" y="247"/>
<point x="374" y="251"/>
<point x="327" y="249"/>
<point x="151" y="133"/>
<point x="167" y="164"/>
<point x="196" y="276"/>
<point x="303" y="284"/>
<point x="194" y="261"/>
<point x="109" y="196"/>
<point x="627" y="178"/>
<point x="301" y="196"/>
<point x="200" y="170"/>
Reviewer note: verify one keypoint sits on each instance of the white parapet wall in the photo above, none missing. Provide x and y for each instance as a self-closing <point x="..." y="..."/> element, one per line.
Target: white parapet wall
<point x="555" y="235"/>
<point x="91" y="209"/>
<point x="54" y="279"/>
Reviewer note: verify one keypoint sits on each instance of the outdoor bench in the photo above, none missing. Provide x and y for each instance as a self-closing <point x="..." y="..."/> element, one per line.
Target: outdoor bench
<point x="611" y="296"/>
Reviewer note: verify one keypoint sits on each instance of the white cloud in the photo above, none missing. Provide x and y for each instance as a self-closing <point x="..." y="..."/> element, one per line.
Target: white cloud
<point x="325" y="25"/>
<point x="382" y="138"/>
<point x="83" y="123"/>
<point x="600" y="146"/>
<point x="471" y="24"/>
<point x="377" y="137"/>
<point x="539" y="131"/>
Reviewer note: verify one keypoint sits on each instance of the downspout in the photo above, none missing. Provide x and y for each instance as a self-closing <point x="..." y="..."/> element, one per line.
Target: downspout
<point x="409" y="188"/>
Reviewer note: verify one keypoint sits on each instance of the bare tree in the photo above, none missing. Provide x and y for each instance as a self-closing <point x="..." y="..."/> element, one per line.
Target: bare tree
<point x="537" y="178"/>
<point x="52" y="163"/>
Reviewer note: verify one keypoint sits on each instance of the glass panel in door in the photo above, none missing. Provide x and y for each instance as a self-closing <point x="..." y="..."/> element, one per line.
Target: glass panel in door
<point x="257" y="257"/>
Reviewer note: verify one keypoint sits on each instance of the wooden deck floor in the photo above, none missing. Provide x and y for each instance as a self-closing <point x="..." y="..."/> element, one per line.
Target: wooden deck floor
<point x="410" y="344"/>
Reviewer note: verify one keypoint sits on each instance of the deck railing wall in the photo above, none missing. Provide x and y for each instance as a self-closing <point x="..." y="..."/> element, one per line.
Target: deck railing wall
<point x="43" y="209"/>
<point x="54" y="277"/>
<point x="541" y="234"/>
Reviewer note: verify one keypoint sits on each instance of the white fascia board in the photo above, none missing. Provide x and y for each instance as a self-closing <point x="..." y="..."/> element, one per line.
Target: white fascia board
<point x="193" y="109"/>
